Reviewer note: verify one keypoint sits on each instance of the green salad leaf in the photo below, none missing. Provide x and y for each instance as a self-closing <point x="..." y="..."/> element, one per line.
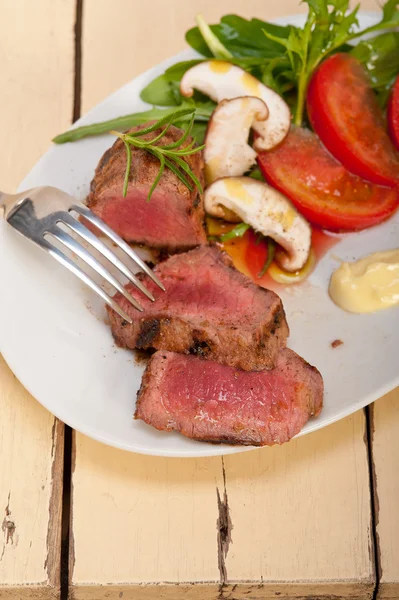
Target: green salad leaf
<point x="212" y="41"/>
<point x="380" y="55"/>
<point x="164" y="90"/>
<point x="291" y="54"/>
<point x="241" y="37"/>
<point x="282" y="57"/>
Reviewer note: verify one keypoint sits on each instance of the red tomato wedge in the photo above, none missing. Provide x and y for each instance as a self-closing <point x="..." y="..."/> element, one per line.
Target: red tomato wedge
<point x="393" y="114"/>
<point x="343" y="111"/>
<point x="321" y="188"/>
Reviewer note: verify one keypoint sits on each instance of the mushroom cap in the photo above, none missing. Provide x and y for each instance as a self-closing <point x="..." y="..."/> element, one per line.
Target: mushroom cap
<point x="266" y="210"/>
<point x="221" y="80"/>
<point x="227" y="152"/>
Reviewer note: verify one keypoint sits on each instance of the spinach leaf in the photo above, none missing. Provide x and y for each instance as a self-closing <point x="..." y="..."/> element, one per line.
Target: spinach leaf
<point x="164" y="90"/>
<point x="214" y="44"/>
<point x="196" y="41"/>
<point x="241" y="37"/>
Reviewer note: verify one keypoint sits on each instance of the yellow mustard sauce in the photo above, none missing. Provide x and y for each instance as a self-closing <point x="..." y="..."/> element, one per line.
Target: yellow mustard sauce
<point x="367" y="285"/>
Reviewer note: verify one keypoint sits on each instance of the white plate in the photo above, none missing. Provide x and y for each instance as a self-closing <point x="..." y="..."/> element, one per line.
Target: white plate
<point x="54" y="339"/>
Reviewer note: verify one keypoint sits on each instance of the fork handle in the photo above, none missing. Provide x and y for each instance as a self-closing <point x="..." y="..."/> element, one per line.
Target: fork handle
<point x="8" y="202"/>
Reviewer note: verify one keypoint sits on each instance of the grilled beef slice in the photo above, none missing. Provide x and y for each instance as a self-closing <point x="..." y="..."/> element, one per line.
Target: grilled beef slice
<point x="209" y="309"/>
<point x="210" y="402"/>
<point x="174" y="217"/>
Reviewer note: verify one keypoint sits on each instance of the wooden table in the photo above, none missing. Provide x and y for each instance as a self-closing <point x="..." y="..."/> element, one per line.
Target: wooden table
<point x="317" y="517"/>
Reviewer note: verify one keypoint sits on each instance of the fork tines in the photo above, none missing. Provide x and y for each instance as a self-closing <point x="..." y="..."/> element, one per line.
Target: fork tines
<point x="74" y="246"/>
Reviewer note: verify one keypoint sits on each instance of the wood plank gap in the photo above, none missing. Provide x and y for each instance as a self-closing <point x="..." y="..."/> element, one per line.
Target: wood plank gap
<point x="78" y="61"/>
<point x="224" y="527"/>
<point x="375" y="507"/>
<point x="66" y="498"/>
<point x="66" y="509"/>
<point x="54" y="532"/>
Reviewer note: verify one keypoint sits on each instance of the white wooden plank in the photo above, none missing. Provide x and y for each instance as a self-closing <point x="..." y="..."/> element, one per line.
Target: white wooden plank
<point x="149" y="519"/>
<point x="36" y="55"/>
<point x="301" y="513"/>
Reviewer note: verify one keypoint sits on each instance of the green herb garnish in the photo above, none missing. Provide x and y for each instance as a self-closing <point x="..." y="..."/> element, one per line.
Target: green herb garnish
<point x="271" y="250"/>
<point x="237" y="231"/>
<point x="169" y="155"/>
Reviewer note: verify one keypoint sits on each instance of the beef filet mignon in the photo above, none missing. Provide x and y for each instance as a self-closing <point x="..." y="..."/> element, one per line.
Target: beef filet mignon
<point x="210" y="402"/>
<point x="209" y="309"/>
<point x="174" y="217"/>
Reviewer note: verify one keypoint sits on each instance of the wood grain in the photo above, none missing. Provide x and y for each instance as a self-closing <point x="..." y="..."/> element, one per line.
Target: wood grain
<point x="36" y="56"/>
<point x="385" y="448"/>
<point x="284" y="522"/>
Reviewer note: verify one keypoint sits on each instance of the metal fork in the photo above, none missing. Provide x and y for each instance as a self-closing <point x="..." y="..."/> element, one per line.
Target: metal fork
<point x="37" y="215"/>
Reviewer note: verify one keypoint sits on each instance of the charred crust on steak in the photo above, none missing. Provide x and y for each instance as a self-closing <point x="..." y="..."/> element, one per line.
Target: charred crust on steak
<point x="105" y="157"/>
<point x="200" y="348"/>
<point x="149" y="332"/>
<point x="278" y="318"/>
<point x="229" y="440"/>
<point x="249" y="340"/>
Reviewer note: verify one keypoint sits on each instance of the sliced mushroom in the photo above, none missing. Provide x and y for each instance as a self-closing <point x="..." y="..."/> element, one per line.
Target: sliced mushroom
<point x="221" y="80"/>
<point x="227" y="152"/>
<point x="268" y="212"/>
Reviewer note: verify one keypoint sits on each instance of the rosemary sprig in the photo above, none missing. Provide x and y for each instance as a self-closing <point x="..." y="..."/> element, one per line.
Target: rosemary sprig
<point x="169" y="155"/>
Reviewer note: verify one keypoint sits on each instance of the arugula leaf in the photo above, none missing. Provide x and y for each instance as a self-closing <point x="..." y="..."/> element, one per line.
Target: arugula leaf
<point x="298" y="49"/>
<point x="380" y="56"/>
<point x="328" y="28"/>
<point x="390" y="19"/>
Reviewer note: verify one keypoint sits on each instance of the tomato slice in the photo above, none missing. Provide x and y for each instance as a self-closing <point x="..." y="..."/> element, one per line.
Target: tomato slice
<point x="393" y="114"/>
<point x="256" y="256"/>
<point x="343" y="111"/>
<point x="321" y="188"/>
